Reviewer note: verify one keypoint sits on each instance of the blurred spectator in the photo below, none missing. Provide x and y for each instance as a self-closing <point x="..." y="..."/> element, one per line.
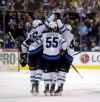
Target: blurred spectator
<point x="95" y="47"/>
<point x="1" y="43"/>
<point x="3" y="2"/>
<point x="28" y="23"/>
<point x="10" y="5"/>
<point x="84" y="46"/>
<point x="82" y="15"/>
<point x="82" y="29"/>
<point x="19" y="4"/>
<point x="80" y="10"/>
<point x="8" y="42"/>
<point x="12" y="24"/>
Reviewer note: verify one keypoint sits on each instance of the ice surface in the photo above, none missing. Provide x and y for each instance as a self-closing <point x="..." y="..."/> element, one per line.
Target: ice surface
<point x="15" y="87"/>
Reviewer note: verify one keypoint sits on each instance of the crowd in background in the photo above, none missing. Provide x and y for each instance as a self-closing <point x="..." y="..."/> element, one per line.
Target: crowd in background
<point x="83" y="16"/>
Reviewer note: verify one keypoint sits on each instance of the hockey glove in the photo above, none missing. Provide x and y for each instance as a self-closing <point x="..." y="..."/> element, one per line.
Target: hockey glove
<point x="23" y="59"/>
<point x="58" y="15"/>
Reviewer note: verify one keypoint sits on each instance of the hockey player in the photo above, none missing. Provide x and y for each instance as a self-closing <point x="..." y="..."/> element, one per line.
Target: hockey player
<point x="34" y="49"/>
<point x="33" y="45"/>
<point x="52" y="42"/>
<point x="66" y="57"/>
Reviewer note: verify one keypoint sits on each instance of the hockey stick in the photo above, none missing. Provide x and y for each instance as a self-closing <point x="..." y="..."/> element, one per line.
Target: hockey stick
<point x="77" y="53"/>
<point x="9" y="33"/>
<point x="11" y="36"/>
<point x="77" y="71"/>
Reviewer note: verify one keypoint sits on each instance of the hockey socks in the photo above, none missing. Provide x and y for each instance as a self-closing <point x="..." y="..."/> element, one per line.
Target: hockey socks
<point x="61" y="77"/>
<point x="35" y="78"/>
<point x="49" y="81"/>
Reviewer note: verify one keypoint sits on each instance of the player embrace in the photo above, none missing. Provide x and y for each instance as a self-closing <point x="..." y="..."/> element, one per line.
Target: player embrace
<point x="48" y="54"/>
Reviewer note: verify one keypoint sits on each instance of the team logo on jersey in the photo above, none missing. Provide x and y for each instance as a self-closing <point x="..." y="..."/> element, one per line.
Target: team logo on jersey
<point x="84" y="58"/>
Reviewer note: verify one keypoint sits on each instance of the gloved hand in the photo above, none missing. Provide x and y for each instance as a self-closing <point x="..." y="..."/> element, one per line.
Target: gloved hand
<point x="69" y="58"/>
<point x="51" y="18"/>
<point x="57" y="15"/>
<point x="23" y="59"/>
<point x="62" y="52"/>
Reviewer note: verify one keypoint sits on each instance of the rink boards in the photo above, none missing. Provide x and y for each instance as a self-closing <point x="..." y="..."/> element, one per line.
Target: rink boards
<point x="9" y="60"/>
<point x="87" y="60"/>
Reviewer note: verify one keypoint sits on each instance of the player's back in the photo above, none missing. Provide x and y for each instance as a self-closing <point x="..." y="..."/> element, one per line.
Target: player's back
<point x="52" y="43"/>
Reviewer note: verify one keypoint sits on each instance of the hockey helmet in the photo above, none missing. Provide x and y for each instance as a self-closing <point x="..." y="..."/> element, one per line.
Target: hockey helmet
<point x="36" y="23"/>
<point x="53" y="24"/>
<point x="69" y="27"/>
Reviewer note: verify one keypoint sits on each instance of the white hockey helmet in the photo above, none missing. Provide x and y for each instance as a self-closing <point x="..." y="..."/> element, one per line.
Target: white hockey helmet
<point x="69" y="27"/>
<point x="53" y="24"/>
<point x="36" y="22"/>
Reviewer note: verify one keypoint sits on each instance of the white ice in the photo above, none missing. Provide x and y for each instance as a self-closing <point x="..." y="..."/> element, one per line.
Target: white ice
<point x="15" y="87"/>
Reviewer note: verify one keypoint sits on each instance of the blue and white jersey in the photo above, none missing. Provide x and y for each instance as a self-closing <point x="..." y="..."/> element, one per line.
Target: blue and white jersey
<point x="35" y="46"/>
<point x="52" y="43"/>
<point x="33" y="43"/>
<point x="68" y="36"/>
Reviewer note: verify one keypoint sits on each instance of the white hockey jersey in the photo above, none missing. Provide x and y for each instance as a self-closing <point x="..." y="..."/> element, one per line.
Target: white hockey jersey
<point x="68" y="36"/>
<point x="33" y="42"/>
<point x="53" y="42"/>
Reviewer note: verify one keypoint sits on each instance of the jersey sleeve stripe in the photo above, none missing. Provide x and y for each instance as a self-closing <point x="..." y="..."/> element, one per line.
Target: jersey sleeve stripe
<point x="63" y="42"/>
<point x="24" y="44"/>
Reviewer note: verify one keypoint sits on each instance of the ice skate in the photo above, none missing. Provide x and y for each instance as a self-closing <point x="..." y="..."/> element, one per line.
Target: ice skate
<point x="36" y="87"/>
<point x="46" y="91"/>
<point x="52" y="90"/>
<point x="58" y="92"/>
<point x="33" y="88"/>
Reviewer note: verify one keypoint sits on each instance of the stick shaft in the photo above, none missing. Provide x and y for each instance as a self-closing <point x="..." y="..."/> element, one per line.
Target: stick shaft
<point x="77" y="71"/>
<point x="11" y="36"/>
